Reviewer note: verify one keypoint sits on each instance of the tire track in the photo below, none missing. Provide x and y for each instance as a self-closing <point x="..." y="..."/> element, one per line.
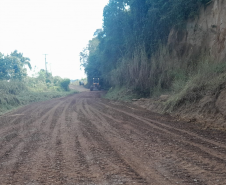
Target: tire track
<point x="194" y="140"/>
<point x="83" y="139"/>
<point x="138" y="145"/>
<point x="104" y="150"/>
<point x="167" y="122"/>
<point x="189" y="146"/>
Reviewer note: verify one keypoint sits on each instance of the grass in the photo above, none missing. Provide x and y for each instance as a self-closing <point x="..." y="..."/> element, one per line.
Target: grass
<point x="15" y="93"/>
<point x="206" y="80"/>
<point x="121" y="93"/>
<point x="187" y="87"/>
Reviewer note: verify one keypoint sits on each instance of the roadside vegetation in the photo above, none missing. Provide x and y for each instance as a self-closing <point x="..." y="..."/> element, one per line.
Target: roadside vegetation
<point x="130" y="56"/>
<point x="208" y="79"/>
<point x="17" y="88"/>
<point x="121" y="93"/>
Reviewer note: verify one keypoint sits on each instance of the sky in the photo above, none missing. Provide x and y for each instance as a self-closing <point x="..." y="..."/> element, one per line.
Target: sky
<point x="59" y="28"/>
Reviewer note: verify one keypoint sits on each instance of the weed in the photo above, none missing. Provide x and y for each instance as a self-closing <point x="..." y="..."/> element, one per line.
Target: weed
<point x="15" y="93"/>
<point x="121" y="93"/>
<point x="206" y="80"/>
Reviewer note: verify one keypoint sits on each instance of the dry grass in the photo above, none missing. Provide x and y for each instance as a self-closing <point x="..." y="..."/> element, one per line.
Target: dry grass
<point x="186" y="81"/>
<point x="121" y="94"/>
<point x="206" y="80"/>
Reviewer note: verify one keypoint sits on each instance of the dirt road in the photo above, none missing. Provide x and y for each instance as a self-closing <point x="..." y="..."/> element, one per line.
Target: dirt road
<point x="83" y="139"/>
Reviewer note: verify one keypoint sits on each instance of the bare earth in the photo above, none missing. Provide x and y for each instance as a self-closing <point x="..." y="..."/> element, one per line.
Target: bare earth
<point x="83" y="139"/>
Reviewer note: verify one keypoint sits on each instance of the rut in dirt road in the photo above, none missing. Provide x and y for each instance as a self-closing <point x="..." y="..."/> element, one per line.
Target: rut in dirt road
<point x="83" y="139"/>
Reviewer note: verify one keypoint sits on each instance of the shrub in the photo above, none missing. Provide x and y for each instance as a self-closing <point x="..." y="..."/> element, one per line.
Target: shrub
<point x="17" y="93"/>
<point x="206" y="80"/>
<point x="65" y="84"/>
<point x="12" y="87"/>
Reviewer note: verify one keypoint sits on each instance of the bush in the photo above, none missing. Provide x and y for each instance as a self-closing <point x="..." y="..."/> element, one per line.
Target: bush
<point x="65" y="84"/>
<point x="205" y="81"/>
<point x="17" y="93"/>
<point x="12" y="87"/>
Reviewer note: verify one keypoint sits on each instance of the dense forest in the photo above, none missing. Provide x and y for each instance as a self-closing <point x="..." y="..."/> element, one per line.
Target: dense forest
<point x="123" y="52"/>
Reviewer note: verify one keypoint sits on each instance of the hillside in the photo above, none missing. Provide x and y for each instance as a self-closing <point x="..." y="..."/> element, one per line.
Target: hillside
<point x="201" y="97"/>
<point x="151" y="48"/>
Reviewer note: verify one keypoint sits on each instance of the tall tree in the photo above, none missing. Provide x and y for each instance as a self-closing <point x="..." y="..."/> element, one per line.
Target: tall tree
<point x="12" y="66"/>
<point x="132" y="31"/>
<point x="24" y="60"/>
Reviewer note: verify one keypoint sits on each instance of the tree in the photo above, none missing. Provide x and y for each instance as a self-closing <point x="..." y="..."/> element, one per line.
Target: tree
<point x="12" y="66"/>
<point x="132" y="29"/>
<point x="65" y="84"/>
<point x="24" y="60"/>
<point x="90" y="60"/>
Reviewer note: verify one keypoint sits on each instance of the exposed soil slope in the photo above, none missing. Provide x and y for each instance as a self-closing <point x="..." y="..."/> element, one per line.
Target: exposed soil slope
<point x="84" y="139"/>
<point x="206" y="34"/>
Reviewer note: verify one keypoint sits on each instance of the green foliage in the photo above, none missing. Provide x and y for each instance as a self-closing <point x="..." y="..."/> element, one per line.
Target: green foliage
<point x="12" y="87"/>
<point x="8" y="94"/>
<point x="123" y="52"/>
<point x="17" y="93"/>
<point x="65" y="84"/>
<point x="25" y="61"/>
<point x="43" y="82"/>
<point x="121" y="93"/>
<point x="17" y="89"/>
<point x="12" y="66"/>
<point x="90" y="60"/>
<point x="57" y="80"/>
<point x="207" y="79"/>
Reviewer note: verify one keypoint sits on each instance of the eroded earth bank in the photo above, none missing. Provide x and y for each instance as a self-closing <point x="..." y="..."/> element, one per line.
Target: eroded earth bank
<point x="84" y="139"/>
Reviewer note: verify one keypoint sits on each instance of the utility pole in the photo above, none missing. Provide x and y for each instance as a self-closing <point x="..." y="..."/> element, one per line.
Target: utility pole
<point x="46" y="63"/>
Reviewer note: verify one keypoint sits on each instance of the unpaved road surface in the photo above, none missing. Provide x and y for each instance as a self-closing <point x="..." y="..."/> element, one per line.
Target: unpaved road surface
<point x="83" y="139"/>
<point x="79" y="88"/>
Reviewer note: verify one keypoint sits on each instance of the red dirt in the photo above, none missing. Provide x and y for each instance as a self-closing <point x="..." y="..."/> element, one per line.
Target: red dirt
<point x="84" y="139"/>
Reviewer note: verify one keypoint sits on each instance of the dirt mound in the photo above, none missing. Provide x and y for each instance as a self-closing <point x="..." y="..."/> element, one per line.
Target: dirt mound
<point x="209" y="111"/>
